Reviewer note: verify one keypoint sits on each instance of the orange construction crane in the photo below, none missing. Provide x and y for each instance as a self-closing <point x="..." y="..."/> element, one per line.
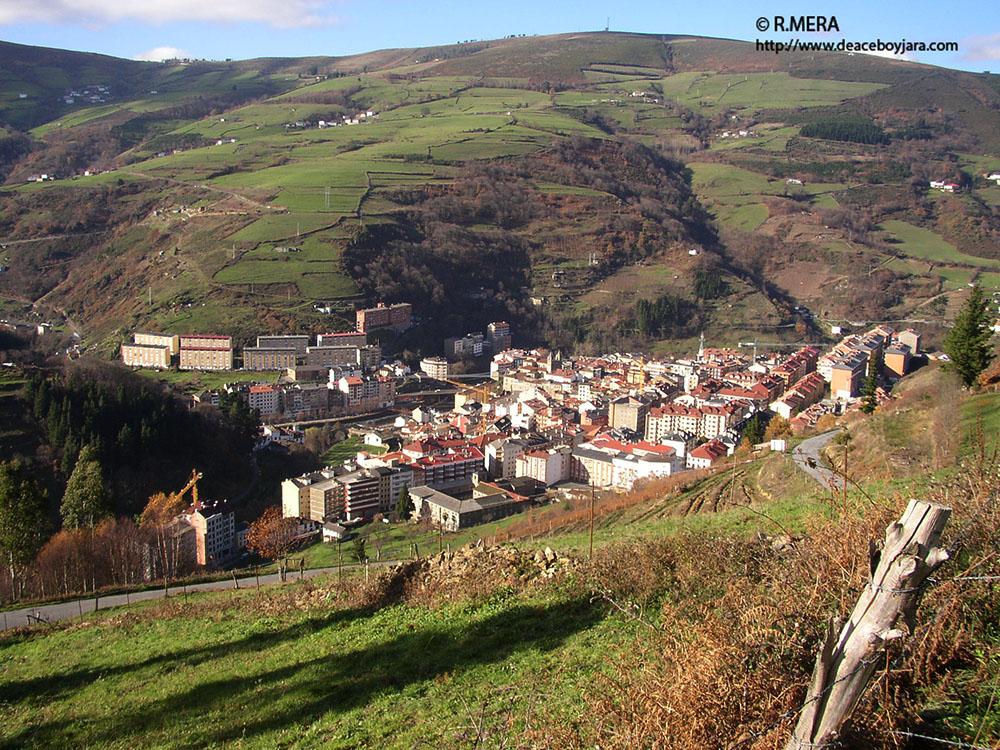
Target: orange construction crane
<point x="191" y="485"/>
<point x="484" y="390"/>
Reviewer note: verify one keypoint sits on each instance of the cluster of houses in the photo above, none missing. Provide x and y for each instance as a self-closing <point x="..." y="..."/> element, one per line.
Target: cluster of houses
<point x="603" y="422"/>
<point x="496" y="340"/>
<point x="95" y="94"/>
<point x="355" y="119"/>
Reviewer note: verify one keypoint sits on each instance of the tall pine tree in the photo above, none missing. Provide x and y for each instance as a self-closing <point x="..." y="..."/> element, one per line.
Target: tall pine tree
<point x="968" y="343"/>
<point x="869" y="389"/>
<point x="86" y="501"/>
<point x="404" y="505"/>
<point x="23" y="523"/>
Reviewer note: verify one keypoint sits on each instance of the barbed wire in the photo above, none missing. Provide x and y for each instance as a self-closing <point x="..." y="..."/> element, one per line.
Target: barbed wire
<point x="953" y="743"/>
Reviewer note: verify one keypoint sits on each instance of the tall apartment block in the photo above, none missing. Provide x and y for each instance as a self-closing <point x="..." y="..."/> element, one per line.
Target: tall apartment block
<point x="267" y="358"/>
<point x="206" y="352"/>
<point x="355" y="338"/>
<point x="146" y="355"/>
<point x="396" y="316"/>
<point x="297" y="342"/>
<point x="150" y="349"/>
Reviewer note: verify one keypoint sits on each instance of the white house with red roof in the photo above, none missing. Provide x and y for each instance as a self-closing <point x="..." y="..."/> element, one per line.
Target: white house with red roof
<point x="706" y="456"/>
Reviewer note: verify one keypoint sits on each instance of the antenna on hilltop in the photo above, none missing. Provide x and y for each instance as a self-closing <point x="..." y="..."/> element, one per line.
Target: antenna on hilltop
<point x="607" y="26"/>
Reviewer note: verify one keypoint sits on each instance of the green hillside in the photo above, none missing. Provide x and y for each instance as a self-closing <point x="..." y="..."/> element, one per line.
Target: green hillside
<point x="202" y="168"/>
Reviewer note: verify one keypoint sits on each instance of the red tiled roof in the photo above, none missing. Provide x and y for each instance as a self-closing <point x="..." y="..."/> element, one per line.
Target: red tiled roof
<point x="710" y="450"/>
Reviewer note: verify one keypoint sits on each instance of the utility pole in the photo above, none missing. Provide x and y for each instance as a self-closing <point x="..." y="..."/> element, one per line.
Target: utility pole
<point x="845" y="476"/>
<point x="591" y="520"/>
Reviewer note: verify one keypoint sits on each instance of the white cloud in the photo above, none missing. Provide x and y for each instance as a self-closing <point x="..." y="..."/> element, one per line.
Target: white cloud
<point x="893" y="56"/>
<point x="159" y="54"/>
<point x="981" y="47"/>
<point x="278" y="13"/>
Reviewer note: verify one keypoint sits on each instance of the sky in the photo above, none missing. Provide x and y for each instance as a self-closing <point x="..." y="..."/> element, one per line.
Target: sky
<point x="239" y="29"/>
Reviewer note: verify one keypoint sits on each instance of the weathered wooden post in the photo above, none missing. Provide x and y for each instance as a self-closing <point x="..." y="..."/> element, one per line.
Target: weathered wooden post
<point x="846" y="659"/>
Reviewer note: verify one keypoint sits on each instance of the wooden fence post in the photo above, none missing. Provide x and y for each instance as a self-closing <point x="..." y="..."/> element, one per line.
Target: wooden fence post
<point x="846" y="659"/>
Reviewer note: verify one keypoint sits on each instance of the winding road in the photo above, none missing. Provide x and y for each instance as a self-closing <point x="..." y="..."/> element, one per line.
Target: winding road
<point x="806" y="457"/>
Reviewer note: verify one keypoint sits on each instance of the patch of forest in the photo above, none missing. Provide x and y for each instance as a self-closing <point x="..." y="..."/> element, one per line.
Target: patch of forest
<point x="145" y="439"/>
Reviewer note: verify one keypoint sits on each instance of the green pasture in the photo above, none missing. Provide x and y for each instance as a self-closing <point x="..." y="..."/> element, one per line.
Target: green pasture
<point x="246" y="669"/>
<point x="989" y="195"/>
<point x="316" y="247"/>
<point x="327" y="286"/>
<point x="339" y="200"/>
<point x="922" y="243"/>
<point x="825" y="200"/>
<point x="347" y="449"/>
<point x="315" y="279"/>
<point x="272" y="271"/>
<point x="768" y="139"/>
<point x="977" y="165"/>
<point x="274" y="227"/>
<point x="201" y="318"/>
<point x="954" y="278"/>
<point x="560" y="124"/>
<point x="989" y="280"/>
<point x="198" y="380"/>
<point x="708" y="90"/>
<point x="745" y="218"/>
<point x="717" y="180"/>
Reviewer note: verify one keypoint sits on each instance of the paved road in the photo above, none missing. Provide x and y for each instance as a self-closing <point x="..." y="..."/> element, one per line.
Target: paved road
<point x="78" y="607"/>
<point x="806" y="457"/>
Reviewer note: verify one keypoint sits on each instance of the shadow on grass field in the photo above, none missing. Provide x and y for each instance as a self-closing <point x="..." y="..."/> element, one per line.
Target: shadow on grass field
<point x="255" y="689"/>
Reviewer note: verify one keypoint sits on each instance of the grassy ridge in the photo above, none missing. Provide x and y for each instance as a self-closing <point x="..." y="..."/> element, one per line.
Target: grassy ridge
<point x="284" y="180"/>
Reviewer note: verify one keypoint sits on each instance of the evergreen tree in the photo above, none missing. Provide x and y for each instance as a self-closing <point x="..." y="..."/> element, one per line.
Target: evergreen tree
<point x="359" y="549"/>
<point x="968" y="343"/>
<point x="754" y="430"/>
<point x="404" y="505"/>
<point x="86" y="500"/>
<point x="22" y="520"/>
<point x="869" y="388"/>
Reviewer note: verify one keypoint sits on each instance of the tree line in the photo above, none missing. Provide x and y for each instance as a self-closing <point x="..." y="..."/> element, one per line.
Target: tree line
<point x="846" y="130"/>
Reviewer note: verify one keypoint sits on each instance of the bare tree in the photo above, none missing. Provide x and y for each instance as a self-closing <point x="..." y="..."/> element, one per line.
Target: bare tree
<point x="273" y="536"/>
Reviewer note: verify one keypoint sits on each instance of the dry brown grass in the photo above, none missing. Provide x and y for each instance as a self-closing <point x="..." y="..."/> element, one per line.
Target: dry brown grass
<point x="723" y="659"/>
<point x="578" y="515"/>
